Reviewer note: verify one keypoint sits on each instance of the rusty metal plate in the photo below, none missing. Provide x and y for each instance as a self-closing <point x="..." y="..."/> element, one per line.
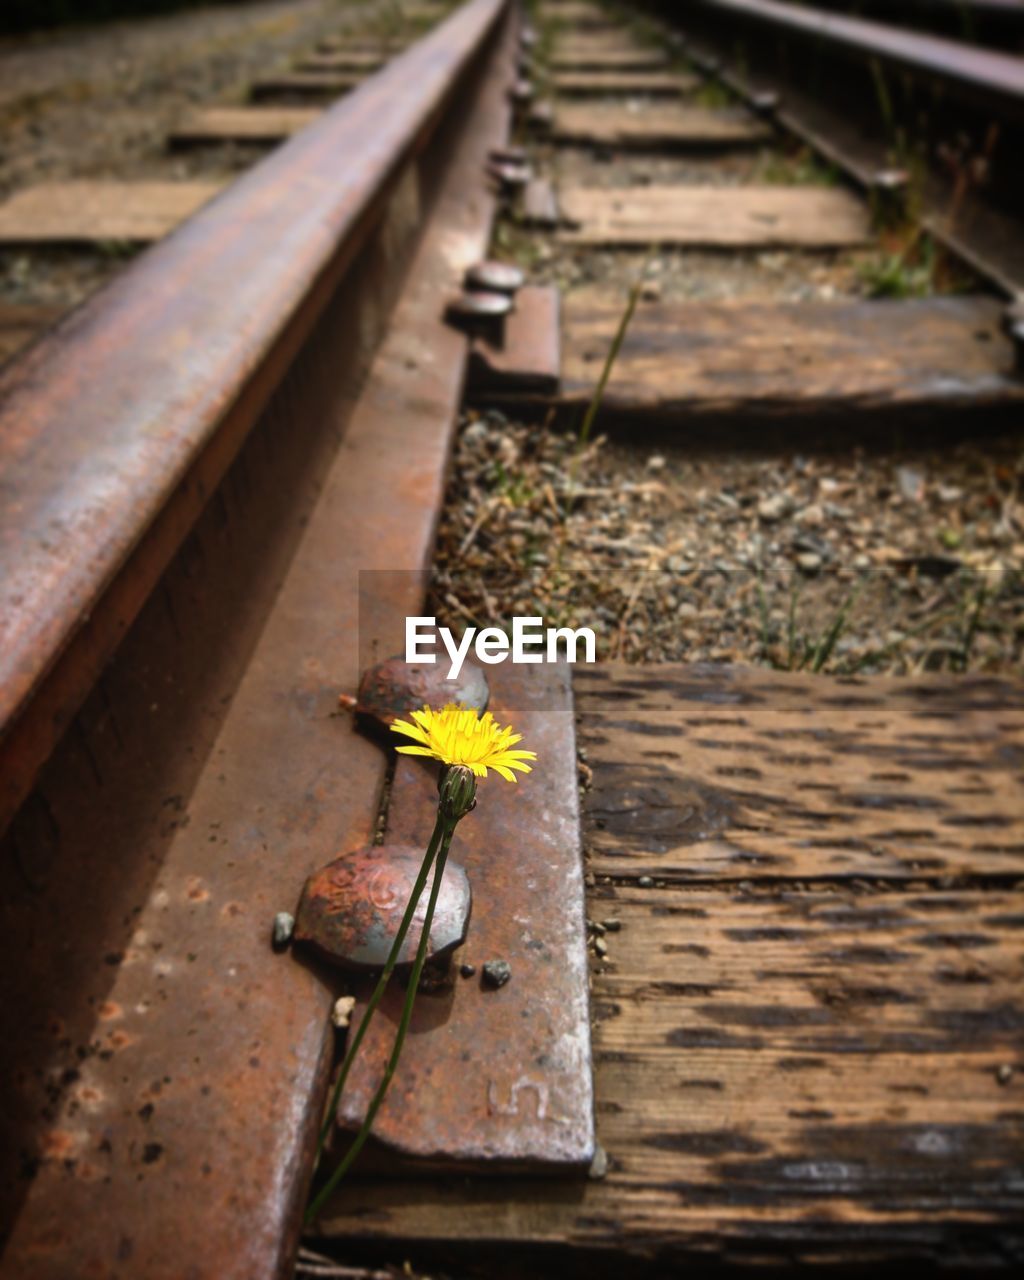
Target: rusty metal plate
<point x="539" y="204"/>
<point x="493" y="1078"/>
<point x="528" y="359"/>
<point x="350" y="910"/>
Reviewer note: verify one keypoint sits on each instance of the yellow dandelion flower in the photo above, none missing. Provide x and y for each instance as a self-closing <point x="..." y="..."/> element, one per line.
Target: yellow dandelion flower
<point x="456" y="735"/>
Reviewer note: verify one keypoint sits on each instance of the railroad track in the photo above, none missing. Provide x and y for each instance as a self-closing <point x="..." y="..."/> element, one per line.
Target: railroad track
<point x="232" y="474"/>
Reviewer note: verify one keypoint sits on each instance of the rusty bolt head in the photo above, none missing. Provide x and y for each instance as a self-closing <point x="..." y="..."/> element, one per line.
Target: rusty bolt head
<point x="495" y="277"/>
<point x="350" y="910"/>
<point x="480" y="314"/>
<point x="512" y="177"/>
<point x="508" y="155"/>
<point x="889" y="194"/>
<point x="765" y="102"/>
<point x="390" y="690"/>
<point x="890" y="180"/>
<point x="479" y="304"/>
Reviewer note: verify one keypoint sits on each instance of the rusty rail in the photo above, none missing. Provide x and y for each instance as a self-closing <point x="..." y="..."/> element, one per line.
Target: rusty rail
<point x="117" y="427"/>
<point x="168" y="1068"/>
<point x="996" y="79"/>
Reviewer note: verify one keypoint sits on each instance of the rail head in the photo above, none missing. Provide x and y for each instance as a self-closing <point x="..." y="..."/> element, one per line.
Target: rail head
<point x="102" y="423"/>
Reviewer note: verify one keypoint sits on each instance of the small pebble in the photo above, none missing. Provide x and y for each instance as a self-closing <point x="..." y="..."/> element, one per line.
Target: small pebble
<point x="284" y="927"/>
<point x="645" y="882"/>
<point x="467" y="970"/>
<point x="612" y="926"/>
<point x="497" y="973"/>
<point x="342" y="1011"/>
<point x="1004" y="1073"/>
<point x="809" y="561"/>
<point x="601" y="947"/>
<point x="596" y="927"/>
<point x="599" y="1164"/>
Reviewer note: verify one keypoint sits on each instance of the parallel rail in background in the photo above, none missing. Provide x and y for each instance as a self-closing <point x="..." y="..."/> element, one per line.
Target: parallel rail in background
<point x="822" y="78"/>
<point x="982" y="75"/>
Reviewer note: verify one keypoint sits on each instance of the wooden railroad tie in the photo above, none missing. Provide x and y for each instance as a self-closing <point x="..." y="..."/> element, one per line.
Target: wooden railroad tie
<point x="257" y="125"/>
<point x="96" y="212"/>
<point x="714" y="217"/>
<point x="790" y="1010"/>
<point x="656" y="126"/>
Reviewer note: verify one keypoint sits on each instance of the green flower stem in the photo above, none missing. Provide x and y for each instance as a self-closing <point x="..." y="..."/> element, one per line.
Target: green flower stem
<point x="379" y="989"/>
<point x="449" y="826"/>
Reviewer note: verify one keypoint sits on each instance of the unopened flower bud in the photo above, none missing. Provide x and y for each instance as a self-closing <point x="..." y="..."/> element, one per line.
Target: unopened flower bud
<point x="457" y="788"/>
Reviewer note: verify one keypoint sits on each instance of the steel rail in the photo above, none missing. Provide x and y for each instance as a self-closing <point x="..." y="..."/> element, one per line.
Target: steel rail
<point x="117" y="426"/>
<point x="986" y="240"/>
<point x="981" y="74"/>
<point x="192" y="1061"/>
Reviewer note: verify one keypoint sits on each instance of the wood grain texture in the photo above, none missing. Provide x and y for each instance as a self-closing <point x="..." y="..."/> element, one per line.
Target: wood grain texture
<point x="653" y="125"/>
<point x="740" y="773"/>
<point x="807" y="1077"/>
<point x="651" y="84"/>
<point x="86" y="212"/>
<point x="785" y="1073"/>
<point x="241" y="124"/>
<point x="681" y="361"/>
<point x="715" y="217"/>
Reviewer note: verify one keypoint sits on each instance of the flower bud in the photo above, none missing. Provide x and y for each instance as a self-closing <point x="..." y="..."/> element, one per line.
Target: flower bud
<point x="457" y="789"/>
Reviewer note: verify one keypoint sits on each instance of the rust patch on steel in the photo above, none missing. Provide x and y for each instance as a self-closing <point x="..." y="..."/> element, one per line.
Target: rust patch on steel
<point x="111" y="448"/>
<point x="493" y="1078"/>
<point x="529" y="358"/>
<point x="203" y="1104"/>
<point x="393" y="688"/>
<point x="350" y="910"/>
